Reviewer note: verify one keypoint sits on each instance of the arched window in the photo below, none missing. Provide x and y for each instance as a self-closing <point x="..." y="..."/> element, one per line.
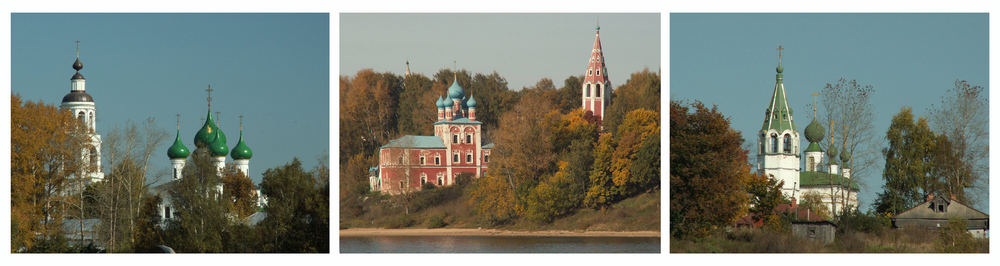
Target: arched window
<point x="468" y="157"/>
<point x="437" y="160"/>
<point x="81" y="116"/>
<point x="486" y="158"/>
<point x="774" y="143"/>
<point x="175" y="173"/>
<point x="91" y="117"/>
<point x="422" y="160"/>
<point x="586" y="92"/>
<point x="440" y="180"/>
<point x="812" y="164"/>
<point x="423" y="178"/>
<point x="598" y="72"/>
<point x="468" y="138"/>
<point x="597" y="91"/>
<point x="454" y="158"/>
<point x="166" y="212"/>
<point x="454" y="139"/>
<point x="788" y="143"/>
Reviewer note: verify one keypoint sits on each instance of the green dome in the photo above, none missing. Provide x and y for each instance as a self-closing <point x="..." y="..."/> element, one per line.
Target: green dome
<point x="471" y="102"/>
<point x="439" y="102"/>
<point x="206" y="135"/>
<point x="780" y="68"/>
<point x="218" y="148"/>
<point x="815" y="132"/>
<point x="832" y="152"/>
<point x="456" y="91"/>
<point x="178" y="151"/>
<point x="241" y="151"/>
<point x="845" y="157"/>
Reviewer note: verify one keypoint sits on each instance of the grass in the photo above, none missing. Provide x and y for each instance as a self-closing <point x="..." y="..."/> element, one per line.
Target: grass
<point x="760" y="241"/>
<point x="449" y="208"/>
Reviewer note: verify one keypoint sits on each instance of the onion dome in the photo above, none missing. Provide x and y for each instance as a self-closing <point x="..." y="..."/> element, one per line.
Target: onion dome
<point x="206" y="135"/>
<point x="448" y="103"/>
<point x="780" y="69"/>
<point x="815" y="132"/>
<point x="845" y="157"/>
<point x="77" y="65"/>
<point x="456" y="91"/>
<point x="440" y="102"/>
<point x="832" y="152"/>
<point x="218" y="147"/>
<point x="471" y="102"/>
<point x="178" y="151"/>
<point x="241" y="151"/>
<point x="77" y="76"/>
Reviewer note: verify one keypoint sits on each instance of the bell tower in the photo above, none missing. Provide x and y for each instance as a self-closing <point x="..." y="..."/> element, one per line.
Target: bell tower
<point x="82" y="106"/>
<point x="778" y="141"/>
<point x="596" y="90"/>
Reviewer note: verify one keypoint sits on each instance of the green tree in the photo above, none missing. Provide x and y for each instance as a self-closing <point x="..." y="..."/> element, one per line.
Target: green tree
<point x="601" y="191"/>
<point x="708" y="171"/>
<point x="908" y="164"/>
<point x="765" y="196"/>
<point x="200" y="220"/>
<point x="634" y="138"/>
<point x="556" y="196"/>
<point x="148" y="233"/>
<point x="814" y="202"/>
<point x="955" y="238"/>
<point x="569" y="96"/>
<point x="238" y="189"/>
<point x="416" y="105"/>
<point x="297" y="210"/>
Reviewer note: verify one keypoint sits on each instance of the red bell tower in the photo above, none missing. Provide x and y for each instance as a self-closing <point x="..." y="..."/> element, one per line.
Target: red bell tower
<point x="596" y="89"/>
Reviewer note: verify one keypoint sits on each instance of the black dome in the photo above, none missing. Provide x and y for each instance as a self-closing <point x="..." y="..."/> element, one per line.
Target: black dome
<point x="78" y="65"/>
<point x="77" y="76"/>
<point x="77" y="96"/>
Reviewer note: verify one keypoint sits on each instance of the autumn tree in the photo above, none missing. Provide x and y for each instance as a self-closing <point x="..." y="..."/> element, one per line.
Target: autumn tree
<point x="642" y="90"/>
<point x="46" y="145"/>
<point x="569" y="95"/>
<point x="369" y="110"/>
<point x="765" y="195"/>
<point x="708" y="171"/>
<point x="963" y="116"/>
<point x="239" y="190"/>
<point x="637" y="136"/>
<point x="908" y="164"/>
<point x="354" y="185"/>
<point x="417" y="112"/>
<point x="814" y="202"/>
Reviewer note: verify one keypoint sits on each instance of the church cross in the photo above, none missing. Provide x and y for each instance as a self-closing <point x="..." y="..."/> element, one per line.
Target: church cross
<point x="178" y="121"/>
<point x="241" y="123"/>
<point x="77" y="48"/>
<point x="218" y="118"/>
<point x="779" y="53"/>
<point x="814" y="95"/>
<point x="209" y="90"/>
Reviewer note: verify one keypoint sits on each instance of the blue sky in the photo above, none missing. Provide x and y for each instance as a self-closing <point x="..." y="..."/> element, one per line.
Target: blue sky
<point x="910" y="59"/>
<point x="523" y="48"/>
<point x="271" y="68"/>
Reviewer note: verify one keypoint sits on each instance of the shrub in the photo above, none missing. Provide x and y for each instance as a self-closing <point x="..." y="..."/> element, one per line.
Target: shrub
<point x="437" y="221"/>
<point x="399" y="221"/>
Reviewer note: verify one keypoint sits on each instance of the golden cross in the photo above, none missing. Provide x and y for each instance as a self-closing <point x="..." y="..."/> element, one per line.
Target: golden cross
<point x="178" y="121"/>
<point x="218" y="118"/>
<point x="241" y="123"/>
<point x="814" y="95"/>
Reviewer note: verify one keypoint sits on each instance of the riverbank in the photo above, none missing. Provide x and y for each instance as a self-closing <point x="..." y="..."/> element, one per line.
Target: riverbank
<point x="368" y="232"/>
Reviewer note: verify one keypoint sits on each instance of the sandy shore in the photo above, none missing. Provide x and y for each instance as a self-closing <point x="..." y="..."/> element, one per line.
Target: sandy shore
<point x="487" y="232"/>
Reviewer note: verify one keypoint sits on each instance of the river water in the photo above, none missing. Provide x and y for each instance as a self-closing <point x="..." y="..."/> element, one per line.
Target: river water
<point x="498" y="244"/>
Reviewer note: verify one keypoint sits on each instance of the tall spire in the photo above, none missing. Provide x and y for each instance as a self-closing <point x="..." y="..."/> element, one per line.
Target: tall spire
<point x="778" y="115"/>
<point x="407" y="68"/>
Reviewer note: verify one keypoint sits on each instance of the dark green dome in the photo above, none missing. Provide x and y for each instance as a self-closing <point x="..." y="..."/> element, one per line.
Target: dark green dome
<point x="845" y="157"/>
<point x="206" y="135"/>
<point x="241" y="151"/>
<point x="218" y="148"/>
<point x="815" y="132"/>
<point x="780" y="68"/>
<point x="178" y="151"/>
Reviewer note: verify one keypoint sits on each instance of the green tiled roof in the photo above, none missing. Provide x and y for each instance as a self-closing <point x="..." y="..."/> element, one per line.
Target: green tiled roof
<point x="416" y="142"/>
<point x="488" y="146"/>
<point x="463" y="120"/>
<point x="817" y="179"/>
<point x="813" y="147"/>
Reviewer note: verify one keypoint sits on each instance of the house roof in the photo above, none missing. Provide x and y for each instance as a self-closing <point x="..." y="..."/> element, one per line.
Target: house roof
<point x="488" y="146"/>
<point x="954" y="209"/>
<point x="416" y="142"/>
<point x="818" y="179"/>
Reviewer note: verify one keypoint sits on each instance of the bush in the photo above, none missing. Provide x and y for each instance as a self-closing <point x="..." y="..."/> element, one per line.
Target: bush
<point x="869" y="222"/>
<point x="437" y="221"/>
<point x="399" y="221"/>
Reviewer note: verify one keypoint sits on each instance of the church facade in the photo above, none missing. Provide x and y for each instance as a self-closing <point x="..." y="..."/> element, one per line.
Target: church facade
<point x="779" y="155"/>
<point x="408" y="163"/>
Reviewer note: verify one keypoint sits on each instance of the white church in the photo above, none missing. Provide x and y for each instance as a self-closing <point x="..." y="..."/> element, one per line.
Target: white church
<point x="779" y="155"/>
